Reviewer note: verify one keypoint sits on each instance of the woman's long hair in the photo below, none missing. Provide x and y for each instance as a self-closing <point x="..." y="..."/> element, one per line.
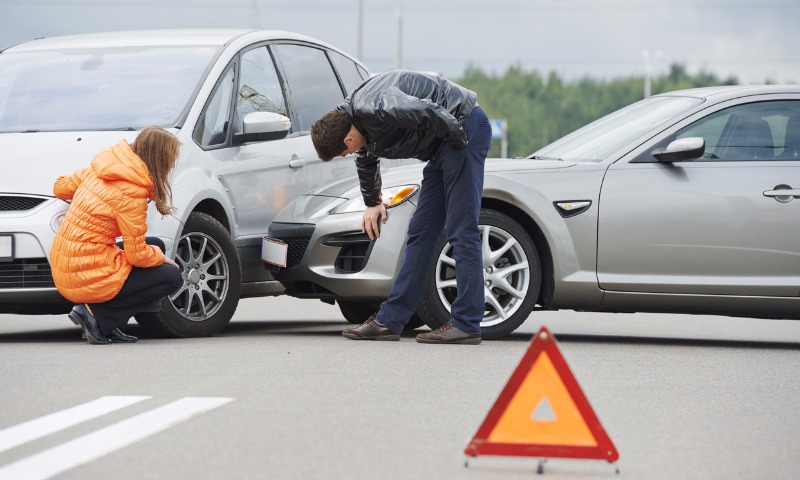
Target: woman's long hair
<point x="159" y="150"/>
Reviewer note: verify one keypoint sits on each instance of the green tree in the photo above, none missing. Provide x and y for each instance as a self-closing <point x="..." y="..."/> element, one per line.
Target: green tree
<point x="540" y="109"/>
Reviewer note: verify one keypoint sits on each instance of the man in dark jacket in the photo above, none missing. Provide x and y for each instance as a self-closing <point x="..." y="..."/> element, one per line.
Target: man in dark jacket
<point x="403" y="114"/>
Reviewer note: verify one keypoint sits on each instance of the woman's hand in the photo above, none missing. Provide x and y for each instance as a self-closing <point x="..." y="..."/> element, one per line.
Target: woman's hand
<point x="171" y="262"/>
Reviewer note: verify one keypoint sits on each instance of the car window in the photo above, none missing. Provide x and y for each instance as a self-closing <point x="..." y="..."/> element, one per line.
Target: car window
<point x="599" y="139"/>
<point x="756" y="131"/>
<point x="315" y="89"/>
<point x="99" y="88"/>
<point x="212" y="127"/>
<point x="348" y="71"/>
<point x="259" y="87"/>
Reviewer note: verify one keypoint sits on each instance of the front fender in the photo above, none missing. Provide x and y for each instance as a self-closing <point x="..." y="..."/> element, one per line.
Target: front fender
<point x="190" y="189"/>
<point x="572" y="241"/>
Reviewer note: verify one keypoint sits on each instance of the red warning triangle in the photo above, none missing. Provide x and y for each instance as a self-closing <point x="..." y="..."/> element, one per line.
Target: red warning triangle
<point x="542" y="412"/>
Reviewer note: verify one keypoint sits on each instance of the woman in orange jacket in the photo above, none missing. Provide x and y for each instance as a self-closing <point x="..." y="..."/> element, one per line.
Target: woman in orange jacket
<point x="109" y="281"/>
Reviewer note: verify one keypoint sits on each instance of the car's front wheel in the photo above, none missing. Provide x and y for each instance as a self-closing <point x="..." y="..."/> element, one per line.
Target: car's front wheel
<point x="511" y="274"/>
<point x="212" y="280"/>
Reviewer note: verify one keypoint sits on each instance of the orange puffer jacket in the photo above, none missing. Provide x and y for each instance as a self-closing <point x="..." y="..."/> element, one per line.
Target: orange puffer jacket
<point x="108" y="200"/>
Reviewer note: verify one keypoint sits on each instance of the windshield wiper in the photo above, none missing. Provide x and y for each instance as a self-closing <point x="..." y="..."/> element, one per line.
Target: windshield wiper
<point x="539" y="157"/>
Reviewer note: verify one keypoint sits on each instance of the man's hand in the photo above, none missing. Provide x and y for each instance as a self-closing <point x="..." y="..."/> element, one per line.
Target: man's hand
<point x="369" y="222"/>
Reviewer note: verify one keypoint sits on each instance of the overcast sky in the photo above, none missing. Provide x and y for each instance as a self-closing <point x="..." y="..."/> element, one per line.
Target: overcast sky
<point x="753" y="40"/>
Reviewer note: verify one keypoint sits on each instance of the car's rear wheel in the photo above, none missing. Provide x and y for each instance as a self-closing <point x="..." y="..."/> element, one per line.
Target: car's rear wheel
<point x="357" y="312"/>
<point x="212" y="280"/>
<point x="512" y="277"/>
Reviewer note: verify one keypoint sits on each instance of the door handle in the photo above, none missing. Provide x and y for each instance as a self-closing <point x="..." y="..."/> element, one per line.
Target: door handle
<point x="297" y="162"/>
<point x="783" y="193"/>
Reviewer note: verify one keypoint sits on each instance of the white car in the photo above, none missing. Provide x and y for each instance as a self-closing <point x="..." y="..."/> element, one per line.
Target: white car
<point x="241" y="103"/>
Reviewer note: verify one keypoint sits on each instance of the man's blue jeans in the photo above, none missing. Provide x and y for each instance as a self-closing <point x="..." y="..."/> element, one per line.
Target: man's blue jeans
<point x="450" y="200"/>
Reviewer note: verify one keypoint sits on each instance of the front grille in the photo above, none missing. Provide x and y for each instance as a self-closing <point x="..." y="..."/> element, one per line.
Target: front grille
<point x="16" y="204"/>
<point x="296" y="236"/>
<point x="297" y="248"/>
<point x="26" y="273"/>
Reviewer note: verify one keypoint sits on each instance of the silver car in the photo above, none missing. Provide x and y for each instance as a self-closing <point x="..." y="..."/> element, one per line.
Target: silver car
<point x="684" y="202"/>
<point x="240" y="102"/>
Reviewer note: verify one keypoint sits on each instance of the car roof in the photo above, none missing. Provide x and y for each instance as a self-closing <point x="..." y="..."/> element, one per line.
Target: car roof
<point x="724" y="92"/>
<point x="172" y="37"/>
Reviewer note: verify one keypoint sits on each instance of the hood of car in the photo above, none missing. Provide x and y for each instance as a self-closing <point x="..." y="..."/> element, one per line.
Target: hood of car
<point x="515" y="164"/>
<point x="412" y="174"/>
<point x="30" y="162"/>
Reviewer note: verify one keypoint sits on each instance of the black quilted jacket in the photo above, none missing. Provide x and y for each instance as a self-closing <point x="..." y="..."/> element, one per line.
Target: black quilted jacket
<point x="405" y="114"/>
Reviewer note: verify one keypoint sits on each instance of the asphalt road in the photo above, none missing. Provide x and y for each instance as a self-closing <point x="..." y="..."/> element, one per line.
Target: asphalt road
<point x="281" y="395"/>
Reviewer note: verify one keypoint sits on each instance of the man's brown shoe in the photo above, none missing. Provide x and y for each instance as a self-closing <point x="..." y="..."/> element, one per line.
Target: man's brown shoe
<point x="371" y="330"/>
<point x="448" y="333"/>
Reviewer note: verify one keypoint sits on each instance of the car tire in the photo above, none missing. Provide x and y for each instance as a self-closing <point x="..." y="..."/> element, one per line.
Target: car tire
<point x="212" y="281"/>
<point x="358" y="312"/>
<point x="513" y="294"/>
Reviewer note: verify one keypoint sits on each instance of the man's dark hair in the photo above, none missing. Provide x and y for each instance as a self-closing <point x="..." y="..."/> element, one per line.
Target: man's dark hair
<point x="328" y="134"/>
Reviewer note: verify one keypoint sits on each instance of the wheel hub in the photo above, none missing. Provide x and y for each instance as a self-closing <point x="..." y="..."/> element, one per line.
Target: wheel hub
<point x="193" y="277"/>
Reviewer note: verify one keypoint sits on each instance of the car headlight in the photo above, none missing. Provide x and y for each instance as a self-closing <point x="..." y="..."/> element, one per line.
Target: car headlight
<point x="392" y="197"/>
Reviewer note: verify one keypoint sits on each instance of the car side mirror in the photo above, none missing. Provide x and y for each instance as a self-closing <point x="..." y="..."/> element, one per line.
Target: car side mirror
<point x="689" y="148"/>
<point x="262" y="126"/>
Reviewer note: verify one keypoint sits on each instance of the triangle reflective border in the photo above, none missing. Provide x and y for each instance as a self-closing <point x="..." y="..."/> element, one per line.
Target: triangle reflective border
<point x="542" y="412"/>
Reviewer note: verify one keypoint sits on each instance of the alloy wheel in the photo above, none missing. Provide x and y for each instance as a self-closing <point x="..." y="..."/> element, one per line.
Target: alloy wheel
<point x="204" y="269"/>
<point x="506" y="274"/>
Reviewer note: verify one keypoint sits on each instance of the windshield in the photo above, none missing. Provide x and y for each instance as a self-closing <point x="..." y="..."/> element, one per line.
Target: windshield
<point x="99" y="89"/>
<point x="599" y="139"/>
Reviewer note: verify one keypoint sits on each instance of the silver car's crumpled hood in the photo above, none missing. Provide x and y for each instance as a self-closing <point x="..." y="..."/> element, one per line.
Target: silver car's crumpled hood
<point x="412" y="174"/>
<point x="31" y="162"/>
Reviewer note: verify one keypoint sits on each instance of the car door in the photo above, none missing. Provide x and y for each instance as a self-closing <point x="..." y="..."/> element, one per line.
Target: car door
<point x="313" y="90"/>
<point x="718" y="225"/>
<point x="261" y="177"/>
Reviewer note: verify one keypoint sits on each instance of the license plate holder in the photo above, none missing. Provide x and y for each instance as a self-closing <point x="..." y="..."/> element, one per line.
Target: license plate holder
<point x="274" y="252"/>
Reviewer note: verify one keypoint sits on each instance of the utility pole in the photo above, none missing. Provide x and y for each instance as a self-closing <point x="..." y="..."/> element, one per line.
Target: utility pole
<point x="255" y="15"/>
<point x="399" y="59"/>
<point x="360" y="39"/>
<point x="647" y="74"/>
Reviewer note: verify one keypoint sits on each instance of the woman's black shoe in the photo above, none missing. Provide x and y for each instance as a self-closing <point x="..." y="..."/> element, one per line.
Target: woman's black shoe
<point x="118" y="336"/>
<point x="75" y="316"/>
<point x="80" y="316"/>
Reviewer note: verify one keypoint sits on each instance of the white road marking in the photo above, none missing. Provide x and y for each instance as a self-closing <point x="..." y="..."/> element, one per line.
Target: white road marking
<point x="41" y="427"/>
<point x="102" y="442"/>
